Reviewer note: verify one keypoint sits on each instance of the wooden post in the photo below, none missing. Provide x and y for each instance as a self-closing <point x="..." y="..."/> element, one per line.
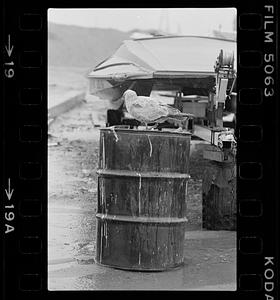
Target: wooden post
<point x="219" y="114"/>
<point x="211" y="110"/>
<point x="219" y="196"/>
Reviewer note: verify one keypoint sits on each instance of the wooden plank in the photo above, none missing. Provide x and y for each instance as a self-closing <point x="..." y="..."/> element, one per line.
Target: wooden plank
<point x="213" y="155"/>
<point x="204" y="133"/>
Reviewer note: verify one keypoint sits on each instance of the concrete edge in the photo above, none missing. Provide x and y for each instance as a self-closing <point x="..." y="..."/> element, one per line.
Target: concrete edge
<point x="66" y="105"/>
<point x="209" y="234"/>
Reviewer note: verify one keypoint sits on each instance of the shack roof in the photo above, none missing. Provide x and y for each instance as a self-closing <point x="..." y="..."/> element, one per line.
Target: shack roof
<point x="165" y="56"/>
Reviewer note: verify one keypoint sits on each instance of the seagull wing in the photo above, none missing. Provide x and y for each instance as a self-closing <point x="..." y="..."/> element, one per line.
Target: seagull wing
<point x="174" y="116"/>
<point x="148" y="109"/>
<point x="174" y="112"/>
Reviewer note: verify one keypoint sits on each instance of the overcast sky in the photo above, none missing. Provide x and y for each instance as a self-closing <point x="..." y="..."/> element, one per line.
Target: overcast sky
<point x="194" y="21"/>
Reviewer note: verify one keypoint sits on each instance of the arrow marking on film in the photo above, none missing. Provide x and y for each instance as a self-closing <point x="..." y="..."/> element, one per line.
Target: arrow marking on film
<point x="9" y="192"/>
<point x="8" y="48"/>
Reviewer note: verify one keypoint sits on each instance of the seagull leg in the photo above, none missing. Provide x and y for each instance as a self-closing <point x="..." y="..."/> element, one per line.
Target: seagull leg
<point x="182" y="126"/>
<point x="180" y="129"/>
<point x="154" y="127"/>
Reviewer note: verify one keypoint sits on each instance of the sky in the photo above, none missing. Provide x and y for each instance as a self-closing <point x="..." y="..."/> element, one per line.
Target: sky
<point x="194" y="21"/>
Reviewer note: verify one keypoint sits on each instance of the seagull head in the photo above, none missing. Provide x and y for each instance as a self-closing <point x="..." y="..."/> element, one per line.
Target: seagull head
<point x="129" y="95"/>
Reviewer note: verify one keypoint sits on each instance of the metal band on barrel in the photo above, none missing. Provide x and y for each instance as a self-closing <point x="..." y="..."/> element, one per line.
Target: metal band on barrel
<point x="136" y="219"/>
<point x="126" y="173"/>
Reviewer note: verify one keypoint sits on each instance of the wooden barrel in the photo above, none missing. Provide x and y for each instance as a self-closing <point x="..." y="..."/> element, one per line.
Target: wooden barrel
<point x="219" y="196"/>
<point x="142" y="186"/>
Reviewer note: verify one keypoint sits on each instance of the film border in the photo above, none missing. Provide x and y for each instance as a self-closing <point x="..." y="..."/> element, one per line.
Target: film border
<point x="25" y="160"/>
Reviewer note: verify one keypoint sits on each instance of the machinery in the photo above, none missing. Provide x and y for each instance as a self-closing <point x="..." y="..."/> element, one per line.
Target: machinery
<point x="177" y="70"/>
<point x="181" y="71"/>
<point x="221" y="110"/>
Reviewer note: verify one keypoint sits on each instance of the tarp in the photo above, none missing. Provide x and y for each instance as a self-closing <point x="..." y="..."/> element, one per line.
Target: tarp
<point x="159" y="57"/>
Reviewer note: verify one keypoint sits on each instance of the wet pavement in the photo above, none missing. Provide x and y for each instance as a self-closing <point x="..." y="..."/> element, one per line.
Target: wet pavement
<point x="210" y="256"/>
<point x="209" y="265"/>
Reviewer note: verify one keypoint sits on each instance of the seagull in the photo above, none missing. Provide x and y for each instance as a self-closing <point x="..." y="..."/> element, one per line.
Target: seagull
<point x="149" y="110"/>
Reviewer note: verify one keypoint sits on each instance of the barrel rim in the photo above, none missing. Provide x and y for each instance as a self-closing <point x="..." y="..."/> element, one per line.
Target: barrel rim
<point x="141" y="219"/>
<point x="148" y="132"/>
<point x="141" y="174"/>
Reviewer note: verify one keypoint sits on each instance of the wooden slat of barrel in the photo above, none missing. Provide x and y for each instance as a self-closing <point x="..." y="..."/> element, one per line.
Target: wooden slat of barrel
<point x="140" y="246"/>
<point x="138" y="196"/>
<point x="144" y="150"/>
<point x="141" y="207"/>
